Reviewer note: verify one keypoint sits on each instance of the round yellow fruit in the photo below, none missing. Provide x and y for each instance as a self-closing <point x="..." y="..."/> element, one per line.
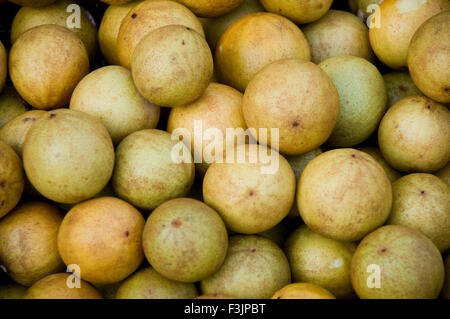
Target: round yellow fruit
<point x="338" y="33"/>
<point x="343" y="194"/>
<point x="148" y="16"/>
<point x="394" y="25"/>
<point x="103" y="237"/>
<point x="211" y="8"/>
<point x="300" y="12"/>
<point x="296" y="97"/>
<point x="414" y="135"/>
<point x="250" y="194"/>
<point x="429" y="57"/>
<point x="28" y="247"/>
<point x="56" y="287"/>
<point x="11" y="105"/>
<point x="58" y="13"/>
<point x="46" y="63"/>
<point x="68" y="156"/>
<point x="253" y="42"/>
<point x="180" y="75"/>
<point x="220" y="107"/>
<point x="303" y="290"/>
<point x="109" y="94"/>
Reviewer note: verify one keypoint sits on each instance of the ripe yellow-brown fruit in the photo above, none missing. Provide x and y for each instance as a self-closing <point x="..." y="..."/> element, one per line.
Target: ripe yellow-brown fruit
<point x="68" y="156"/>
<point x="429" y="57"/>
<point x="422" y="201"/>
<point x="394" y="25"/>
<point x="59" y="13"/>
<point x="344" y="194"/>
<point x="28" y="247"/>
<point x="303" y="290"/>
<point x="253" y="42"/>
<point x="46" y="63"/>
<point x="211" y="8"/>
<point x="148" y="16"/>
<point x="103" y="237"/>
<point x="250" y="199"/>
<point x="3" y="66"/>
<point x="300" y="12"/>
<point x="11" y="179"/>
<point x="56" y="286"/>
<point x="296" y="97"/>
<point x="414" y="135"/>
<point x="32" y="3"/>
<point x="172" y="66"/>
<point x="109" y="30"/>
<point x="338" y="33"/>
<point x="220" y="107"/>
<point x="11" y="105"/>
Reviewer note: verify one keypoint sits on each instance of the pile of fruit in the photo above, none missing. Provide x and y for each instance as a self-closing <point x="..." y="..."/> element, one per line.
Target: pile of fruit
<point x="225" y="149"/>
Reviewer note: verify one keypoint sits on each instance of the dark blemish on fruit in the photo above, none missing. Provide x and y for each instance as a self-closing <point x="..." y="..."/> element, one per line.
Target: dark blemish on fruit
<point x="396" y="126"/>
<point x="320" y="5"/>
<point x="52" y="116"/>
<point x="279" y="10"/>
<point x="3" y="185"/>
<point x="26" y="119"/>
<point x="404" y="87"/>
<point x="176" y="222"/>
<point x="3" y="203"/>
<point x="447" y="90"/>
<point x="354" y="155"/>
<point x="134" y="15"/>
<point x="182" y="42"/>
<point x="127" y="233"/>
<point x="295" y="124"/>
<point x="429" y="106"/>
<point x="422" y="192"/>
<point x="253" y="250"/>
<point x="382" y="250"/>
<point x="278" y="297"/>
<point x="187" y="28"/>
<point x="251" y="193"/>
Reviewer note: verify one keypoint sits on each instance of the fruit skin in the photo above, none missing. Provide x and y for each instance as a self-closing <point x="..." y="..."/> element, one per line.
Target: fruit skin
<point x="422" y="201"/>
<point x="116" y="2"/>
<point x="298" y="98"/>
<point x="254" y="41"/>
<point x="145" y="174"/>
<point x="398" y="86"/>
<point x="47" y="85"/>
<point x="12" y="291"/>
<point x="148" y="284"/>
<point x="360" y="7"/>
<point x="209" y="8"/>
<point x="56" y="13"/>
<point x="3" y="66"/>
<point x="185" y="240"/>
<point x="255" y="268"/>
<point x="343" y="194"/>
<point x="249" y="200"/>
<point x="214" y="28"/>
<point x="303" y="290"/>
<point x="445" y="293"/>
<point x="180" y="75"/>
<point x="321" y="261"/>
<point x="391" y="173"/>
<point x="411" y="267"/>
<point x="103" y="237"/>
<point x="429" y="57"/>
<point x="109" y="94"/>
<point x="80" y="151"/>
<point x="55" y="287"/>
<point x="362" y="97"/>
<point x="444" y="173"/>
<point x="214" y="296"/>
<point x="12" y="179"/>
<point x="148" y="16"/>
<point x="414" y="134"/>
<point x="300" y="12"/>
<point x="298" y="164"/>
<point x="220" y="107"/>
<point x="338" y="33"/>
<point x="28" y="247"/>
<point x="398" y="20"/>
<point x="109" y="30"/>
<point x="32" y="3"/>
<point x="15" y="131"/>
<point x="11" y="105"/>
